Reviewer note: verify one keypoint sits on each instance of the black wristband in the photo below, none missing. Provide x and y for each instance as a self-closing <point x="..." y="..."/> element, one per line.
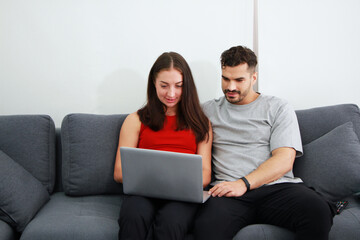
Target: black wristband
<point x="246" y="183"/>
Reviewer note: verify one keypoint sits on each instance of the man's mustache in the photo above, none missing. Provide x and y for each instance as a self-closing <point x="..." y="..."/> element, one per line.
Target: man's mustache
<point x="232" y="91"/>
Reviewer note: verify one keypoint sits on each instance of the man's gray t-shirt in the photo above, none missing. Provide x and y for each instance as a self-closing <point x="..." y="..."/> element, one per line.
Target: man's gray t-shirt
<point x="245" y="135"/>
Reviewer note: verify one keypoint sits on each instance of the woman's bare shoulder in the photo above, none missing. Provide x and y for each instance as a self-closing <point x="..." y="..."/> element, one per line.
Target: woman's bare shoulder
<point x="132" y="120"/>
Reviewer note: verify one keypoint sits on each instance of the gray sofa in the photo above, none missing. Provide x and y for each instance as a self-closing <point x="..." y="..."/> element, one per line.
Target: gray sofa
<point x="58" y="184"/>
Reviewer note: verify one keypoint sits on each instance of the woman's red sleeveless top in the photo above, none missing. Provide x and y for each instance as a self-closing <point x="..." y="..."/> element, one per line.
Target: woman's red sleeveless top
<point x="168" y="139"/>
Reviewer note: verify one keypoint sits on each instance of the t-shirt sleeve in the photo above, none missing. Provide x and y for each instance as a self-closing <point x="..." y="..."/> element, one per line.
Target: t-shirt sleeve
<point x="285" y="130"/>
<point x="208" y="108"/>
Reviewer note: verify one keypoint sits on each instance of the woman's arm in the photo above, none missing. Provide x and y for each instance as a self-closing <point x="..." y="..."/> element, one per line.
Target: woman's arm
<point x="204" y="149"/>
<point x="129" y="137"/>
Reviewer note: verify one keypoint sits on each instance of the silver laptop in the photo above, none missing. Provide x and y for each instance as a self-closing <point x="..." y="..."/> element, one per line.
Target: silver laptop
<point x="162" y="174"/>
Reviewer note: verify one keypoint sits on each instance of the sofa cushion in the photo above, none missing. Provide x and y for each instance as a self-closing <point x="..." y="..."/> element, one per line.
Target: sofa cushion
<point x="315" y="122"/>
<point x="65" y="217"/>
<point x="331" y="163"/>
<point x="264" y="232"/>
<point x="89" y="144"/>
<point x="347" y="224"/>
<point x="7" y="232"/>
<point x="30" y="141"/>
<point x="21" y="195"/>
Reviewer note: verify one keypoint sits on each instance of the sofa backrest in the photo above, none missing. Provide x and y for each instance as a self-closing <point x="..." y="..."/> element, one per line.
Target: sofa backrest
<point x="316" y="122"/>
<point x="30" y="141"/>
<point x="331" y="160"/>
<point x="89" y="143"/>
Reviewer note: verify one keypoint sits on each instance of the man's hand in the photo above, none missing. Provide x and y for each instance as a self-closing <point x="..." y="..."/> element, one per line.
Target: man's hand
<point x="229" y="189"/>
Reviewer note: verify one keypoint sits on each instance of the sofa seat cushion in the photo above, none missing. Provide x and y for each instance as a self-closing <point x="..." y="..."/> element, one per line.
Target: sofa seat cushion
<point x="264" y="232"/>
<point x="30" y="141"/>
<point x="65" y="217"/>
<point x="89" y="144"/>
<point x="347" y="223"/>
<point x="6" y="232"/>
<point x="21" y="194"/>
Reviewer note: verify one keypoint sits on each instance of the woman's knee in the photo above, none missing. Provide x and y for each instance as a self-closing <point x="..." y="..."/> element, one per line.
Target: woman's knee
<point x="221" y="218"/>
<point x="174" y="220"/>
<point x="136" y="208"/>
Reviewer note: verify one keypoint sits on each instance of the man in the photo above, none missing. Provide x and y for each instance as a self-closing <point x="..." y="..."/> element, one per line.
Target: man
<point x="256" y="139"/>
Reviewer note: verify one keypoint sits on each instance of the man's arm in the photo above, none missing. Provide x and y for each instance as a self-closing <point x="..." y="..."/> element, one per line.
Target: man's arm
<point x="281" y="162"/>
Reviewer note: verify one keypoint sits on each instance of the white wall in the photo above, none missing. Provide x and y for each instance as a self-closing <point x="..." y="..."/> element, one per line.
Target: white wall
<point x="93" y="56"/>
<point x="309" y="51"/>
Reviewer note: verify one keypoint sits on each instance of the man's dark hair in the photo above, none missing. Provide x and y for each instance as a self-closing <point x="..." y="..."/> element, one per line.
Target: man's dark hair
<point x="238" y="55"/>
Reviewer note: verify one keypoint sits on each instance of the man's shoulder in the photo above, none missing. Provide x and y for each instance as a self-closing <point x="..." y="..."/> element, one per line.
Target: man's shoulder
<point x="213" y="103"/>
<point x="273" y="99"/>
<point x="277" y="107"/>
<point x="273" y="102"/>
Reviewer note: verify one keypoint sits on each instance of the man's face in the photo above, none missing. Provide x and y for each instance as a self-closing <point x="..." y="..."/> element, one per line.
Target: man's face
<point x="237" y="84"/>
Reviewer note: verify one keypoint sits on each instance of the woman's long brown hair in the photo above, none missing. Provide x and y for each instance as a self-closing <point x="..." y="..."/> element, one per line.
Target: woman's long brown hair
<point x="189" y="112"/>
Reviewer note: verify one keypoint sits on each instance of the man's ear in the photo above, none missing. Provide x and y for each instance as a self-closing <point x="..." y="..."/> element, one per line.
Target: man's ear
<point x="254" y="77"/>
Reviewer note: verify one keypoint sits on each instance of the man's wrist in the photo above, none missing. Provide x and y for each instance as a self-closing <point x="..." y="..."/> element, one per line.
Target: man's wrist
<point x="247" y="184"/>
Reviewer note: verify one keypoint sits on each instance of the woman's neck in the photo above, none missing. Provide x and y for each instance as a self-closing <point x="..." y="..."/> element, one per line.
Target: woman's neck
<point x="171" y="112"/>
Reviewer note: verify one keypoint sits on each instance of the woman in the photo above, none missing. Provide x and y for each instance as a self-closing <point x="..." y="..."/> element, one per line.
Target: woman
<point x="172" y="120"/>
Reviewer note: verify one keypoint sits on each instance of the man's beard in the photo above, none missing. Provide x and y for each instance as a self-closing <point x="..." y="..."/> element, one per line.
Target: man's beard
<point x="234" y="100"/>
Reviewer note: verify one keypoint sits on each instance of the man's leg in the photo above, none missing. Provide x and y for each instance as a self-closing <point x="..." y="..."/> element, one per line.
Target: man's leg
<point x="298" y="208"/>
<point x="222" y="218"/>
<point x="174" y="219"/>
<point x="136" y="217"/>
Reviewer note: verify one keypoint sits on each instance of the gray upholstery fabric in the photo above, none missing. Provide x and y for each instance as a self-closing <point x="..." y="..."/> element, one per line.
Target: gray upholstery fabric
<point x="30" y="141"/>
<point x="21" y="196"/>
<point x="65" y="217"/>
<point x="315" y="122"/>
<point x="6" y="232"/>
<point x="346" y="224"/>
<point x="264" y="232"/>
<point x="331" y="163"/>
<point x="89" y="145"/>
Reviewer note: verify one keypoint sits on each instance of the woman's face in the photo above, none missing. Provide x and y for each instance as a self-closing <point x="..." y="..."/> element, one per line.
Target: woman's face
<point x="168" y="84"/>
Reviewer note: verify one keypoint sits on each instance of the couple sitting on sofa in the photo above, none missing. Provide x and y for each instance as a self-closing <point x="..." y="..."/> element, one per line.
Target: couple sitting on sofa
<point x="250" y="139"/>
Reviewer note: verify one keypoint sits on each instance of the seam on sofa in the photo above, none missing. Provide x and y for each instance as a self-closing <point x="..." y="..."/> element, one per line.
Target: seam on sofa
<point x="355" y="216"/>
<point x="49" y="160"/>
<point x="357" y="115"/>
<point x="66" y="150"/>
<point x="263" y="232"/>
<point x="9" y="216"/>
<point x="69" y="154"/>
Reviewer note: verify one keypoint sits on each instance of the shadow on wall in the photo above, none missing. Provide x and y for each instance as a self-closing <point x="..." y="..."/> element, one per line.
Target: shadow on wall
<point x="207" y="78"/>
<point x="124" y="91"/>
